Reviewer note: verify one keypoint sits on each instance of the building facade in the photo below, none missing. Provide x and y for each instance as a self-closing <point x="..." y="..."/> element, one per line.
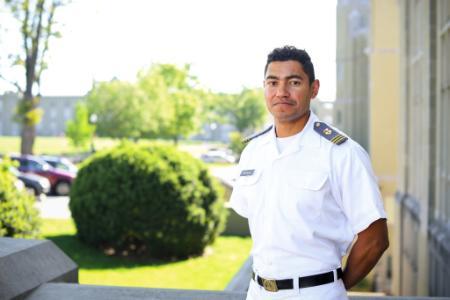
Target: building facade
<point x="57" y="110"/>
<point x="351" y="110"/>
<point x="384" y="106"/>
<point x="408" y="60"/>
<point x="367" y="63"/>
<point x="423" y="196"/>
<point x="323" y="109"/>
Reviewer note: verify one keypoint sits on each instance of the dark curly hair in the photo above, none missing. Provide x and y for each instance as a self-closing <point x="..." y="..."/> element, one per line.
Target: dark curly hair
<point x="291" y="53"/>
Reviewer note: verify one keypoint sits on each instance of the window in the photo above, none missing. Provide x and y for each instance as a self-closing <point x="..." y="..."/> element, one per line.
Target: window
<point x="442" y="208"/>
<point x="34" y="166"/>
<point x="67" y="113"/>
<point x="53" y="113"/>
<point x="417" y="100"/>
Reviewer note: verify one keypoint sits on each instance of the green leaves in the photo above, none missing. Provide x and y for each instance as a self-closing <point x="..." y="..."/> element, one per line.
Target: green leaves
<point x="27" y="112"/>
<point x="18" y="216"/>
<point x="151" y="198"/>
<point x="163" y="104"/>
<point x="246" y="111"/>
<point x="122" y="109"/>
<point x="167" y="102"/>
<point x="174" y="99"/>
<point x="79" y="130"/>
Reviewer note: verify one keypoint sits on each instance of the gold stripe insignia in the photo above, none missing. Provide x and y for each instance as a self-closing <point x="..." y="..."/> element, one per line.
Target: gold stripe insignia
<point x="329" y="133"/>
<point x="340" y="139"/>
<point x="334" y="140"/>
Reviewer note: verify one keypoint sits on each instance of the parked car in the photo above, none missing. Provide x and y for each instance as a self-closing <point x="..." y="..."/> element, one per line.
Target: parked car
<point x="37" y="185"/>
<point x="218" y="156"/>
<point x="60" y="180"/>
<point x="60" y="163"/>
<point x="19" y="185"/>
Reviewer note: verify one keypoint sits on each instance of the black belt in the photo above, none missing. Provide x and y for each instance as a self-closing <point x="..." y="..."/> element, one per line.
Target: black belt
<point x="303" y="282"/>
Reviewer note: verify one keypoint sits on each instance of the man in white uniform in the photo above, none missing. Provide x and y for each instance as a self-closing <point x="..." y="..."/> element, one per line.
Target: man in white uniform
<point x="308" y="192"/>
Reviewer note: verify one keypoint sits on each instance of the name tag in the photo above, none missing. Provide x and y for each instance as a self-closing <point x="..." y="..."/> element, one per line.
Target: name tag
<point x="247" y="172"/>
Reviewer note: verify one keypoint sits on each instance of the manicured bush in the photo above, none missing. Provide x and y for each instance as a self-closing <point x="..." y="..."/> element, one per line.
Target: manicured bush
<point x="18" y="217"/>
<point x="152" y="198"/>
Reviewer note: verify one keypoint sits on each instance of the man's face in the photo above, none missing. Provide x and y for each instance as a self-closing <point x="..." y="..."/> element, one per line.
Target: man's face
<point x="287" y="91"/>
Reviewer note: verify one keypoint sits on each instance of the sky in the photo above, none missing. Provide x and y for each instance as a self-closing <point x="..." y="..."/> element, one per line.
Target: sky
<point x="225" y="41"/>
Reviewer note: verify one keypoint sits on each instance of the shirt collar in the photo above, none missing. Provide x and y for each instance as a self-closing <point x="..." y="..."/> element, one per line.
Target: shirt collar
<point x="309" y="138"/>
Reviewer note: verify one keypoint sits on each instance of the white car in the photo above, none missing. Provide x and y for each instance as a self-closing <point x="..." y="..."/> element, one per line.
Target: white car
<point x="218" y="156"/>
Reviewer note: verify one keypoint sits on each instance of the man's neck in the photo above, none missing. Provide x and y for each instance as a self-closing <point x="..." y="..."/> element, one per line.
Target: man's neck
<point x="285" y="129"/>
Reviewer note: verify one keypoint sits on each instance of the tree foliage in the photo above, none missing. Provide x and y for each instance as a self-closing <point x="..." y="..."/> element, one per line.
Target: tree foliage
<point x="122" y="110"/>
<point x="166" y="102"/>
<point x="246" y="111"/>
<point x="36" y="18"/>
<point x="174" y="99"/>
<point x="79" y="130"/>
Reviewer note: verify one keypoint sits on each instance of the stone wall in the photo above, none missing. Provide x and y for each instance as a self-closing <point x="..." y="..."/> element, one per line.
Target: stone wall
<point x="38" y="270"/>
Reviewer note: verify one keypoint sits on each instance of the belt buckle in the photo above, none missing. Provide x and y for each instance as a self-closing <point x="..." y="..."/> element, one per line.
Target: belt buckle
<point x="270" y="285"/>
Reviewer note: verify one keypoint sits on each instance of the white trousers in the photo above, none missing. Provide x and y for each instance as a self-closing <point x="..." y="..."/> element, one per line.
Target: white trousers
<point x="330" y="291"/>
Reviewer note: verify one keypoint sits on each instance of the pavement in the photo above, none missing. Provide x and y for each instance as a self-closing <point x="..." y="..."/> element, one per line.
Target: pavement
<point x="54" y="207"/>
<point x="57" y="207"/>
<point x="226" y="174"/>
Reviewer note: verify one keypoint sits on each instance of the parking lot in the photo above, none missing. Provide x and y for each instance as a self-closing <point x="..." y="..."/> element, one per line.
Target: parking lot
<point x="54" y="207"/>
<point x="57" y="207"/>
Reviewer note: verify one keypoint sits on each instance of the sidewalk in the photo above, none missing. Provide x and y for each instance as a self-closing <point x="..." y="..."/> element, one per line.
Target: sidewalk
<point x="54" y="208"/>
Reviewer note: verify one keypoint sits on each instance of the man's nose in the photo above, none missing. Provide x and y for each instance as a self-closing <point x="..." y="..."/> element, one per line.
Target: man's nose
<point x="282" y="90"/>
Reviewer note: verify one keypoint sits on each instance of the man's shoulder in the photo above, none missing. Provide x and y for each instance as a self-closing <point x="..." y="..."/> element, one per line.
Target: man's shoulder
<point x="340" y="145"/>
<point x="337" y="141"/>
<point x="254" y="142"/>
<point x="330" y="133"/>
<point x="256" y="135"/>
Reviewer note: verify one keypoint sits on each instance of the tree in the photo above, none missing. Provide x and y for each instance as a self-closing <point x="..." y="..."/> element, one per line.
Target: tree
<point x="174" y="98"/>
<point x="122" y="109"/>
<point x="79" y="130"/>
<point x="245" y="111"/>
<point x="37" y="20"/>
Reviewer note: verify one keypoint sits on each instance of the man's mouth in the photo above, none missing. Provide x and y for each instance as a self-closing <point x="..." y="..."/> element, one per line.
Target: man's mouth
<point x="290" y="103"/>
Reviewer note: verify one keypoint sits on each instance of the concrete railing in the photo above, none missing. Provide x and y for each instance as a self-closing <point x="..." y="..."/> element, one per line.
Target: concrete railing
<point x="57" y="291"/>
<point x="27" y="264"/>
<point x="38" y="270"/>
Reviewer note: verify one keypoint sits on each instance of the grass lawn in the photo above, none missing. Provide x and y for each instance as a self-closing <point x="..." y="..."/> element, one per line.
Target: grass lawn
<point x="50" y="145"/>
<point x="212" y="271"/>
<point x="61" y="145"/>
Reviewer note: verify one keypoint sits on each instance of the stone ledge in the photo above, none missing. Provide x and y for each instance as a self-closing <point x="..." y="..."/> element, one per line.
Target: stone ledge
<point x="26" y="264"/>
<point x="57" y="291"/>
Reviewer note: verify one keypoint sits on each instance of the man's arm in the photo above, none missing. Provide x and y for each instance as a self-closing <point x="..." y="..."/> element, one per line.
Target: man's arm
<point x="365" y="253"/>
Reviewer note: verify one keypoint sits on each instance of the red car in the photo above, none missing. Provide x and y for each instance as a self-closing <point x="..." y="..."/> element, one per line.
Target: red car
<point x="60" y="180"/>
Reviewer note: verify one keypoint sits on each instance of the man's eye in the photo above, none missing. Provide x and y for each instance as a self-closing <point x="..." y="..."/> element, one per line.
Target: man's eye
<point x="271" y="83"/>
<point x="295" y="83"/>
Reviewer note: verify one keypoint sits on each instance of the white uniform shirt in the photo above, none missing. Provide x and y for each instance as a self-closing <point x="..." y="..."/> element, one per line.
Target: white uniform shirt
<point x="305" y="205"/>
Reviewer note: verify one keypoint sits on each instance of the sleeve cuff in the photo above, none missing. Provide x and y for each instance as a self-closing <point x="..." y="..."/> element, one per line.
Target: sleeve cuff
<point x="361" y="226"/>
<point x="239" y="209"/>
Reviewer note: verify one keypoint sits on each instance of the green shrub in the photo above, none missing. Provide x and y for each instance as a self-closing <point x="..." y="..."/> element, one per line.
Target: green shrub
<point x="153" y="198"/>
<point x="18" y="217"/>
<point x="236" y="143"/>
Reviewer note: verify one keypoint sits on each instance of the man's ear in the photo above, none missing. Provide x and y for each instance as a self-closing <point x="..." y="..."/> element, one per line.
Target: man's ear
<point x="315" y="88"/>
